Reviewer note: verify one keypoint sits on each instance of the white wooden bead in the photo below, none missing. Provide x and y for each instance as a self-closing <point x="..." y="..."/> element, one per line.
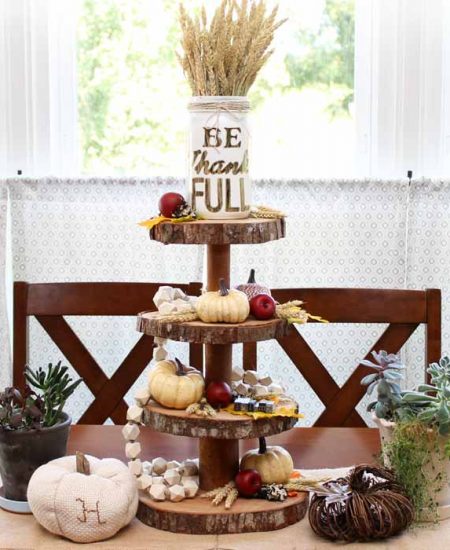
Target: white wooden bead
<point x="259" y="390"/>
<point x="130" y="431"/>
<point x="166" y="308"/>
<point x="178" y="294"/>
<point x="159" y="465"/>
<point x="161" y="342"/>
<point x="265" y="380"/>
<point x="242" y="389"/>
<point x="135" y="467"/>
<point x="157" y="480"/>
<point x="159" y="354"/>
<point x="163" y="294"/>
<point x="237" y="374"/>
<point x="276" y="389"/>
<point x="172" y="477"/>
<point x="190" y="488"/>
<point x="144" y="481"/>
<point x="142" y="396"/>
<point x="157" y="492"/>
<point x="188" y="468"/>
<point x="250" y="377"/>
<point x="173" y="464"/>
<point x="185" y="479"/>
<point x="132" y="450"/>
<point x="147" y="467"/>
<point x="177" y="493"/>
<point x="134" y="413"/>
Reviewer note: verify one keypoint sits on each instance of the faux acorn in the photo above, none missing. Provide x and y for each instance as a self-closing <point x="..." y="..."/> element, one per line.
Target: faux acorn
<point x="251" y="288"/>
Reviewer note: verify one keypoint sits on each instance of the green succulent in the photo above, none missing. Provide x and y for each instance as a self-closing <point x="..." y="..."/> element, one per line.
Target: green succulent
<point x="388" y="373"/>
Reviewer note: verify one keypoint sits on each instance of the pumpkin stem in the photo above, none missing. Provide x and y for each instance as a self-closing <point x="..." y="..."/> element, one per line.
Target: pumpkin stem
<point x="262" y="446"/>
<point x="83" y="466"/>
<point x="223" y="289"/>
<point x="180" y="367"/>
<point x="251" y="278"/>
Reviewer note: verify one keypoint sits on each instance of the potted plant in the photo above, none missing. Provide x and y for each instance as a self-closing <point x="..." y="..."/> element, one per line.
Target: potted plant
<point x="33" y="429"/>
<point x="415" y="431"/>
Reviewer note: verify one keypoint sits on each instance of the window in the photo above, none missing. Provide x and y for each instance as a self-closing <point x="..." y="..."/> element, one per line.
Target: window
<point x="132" y="95"/>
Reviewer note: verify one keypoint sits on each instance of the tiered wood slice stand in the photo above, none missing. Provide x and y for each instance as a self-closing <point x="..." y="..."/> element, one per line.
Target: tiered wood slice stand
<point x="218" y="436"/>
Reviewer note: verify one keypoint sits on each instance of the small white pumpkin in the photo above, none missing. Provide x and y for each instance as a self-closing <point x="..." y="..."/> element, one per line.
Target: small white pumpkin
<point x="84" y="499"/>
<point x="223" y="306"/>
<point x="274" y="464"/>
<point x="175" y="385"/>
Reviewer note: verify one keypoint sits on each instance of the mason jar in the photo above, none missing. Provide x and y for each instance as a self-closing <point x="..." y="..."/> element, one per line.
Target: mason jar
<point x="218" y="181"/>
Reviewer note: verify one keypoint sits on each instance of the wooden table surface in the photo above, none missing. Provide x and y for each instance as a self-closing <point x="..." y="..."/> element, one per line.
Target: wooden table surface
<point x="311" y="448"/>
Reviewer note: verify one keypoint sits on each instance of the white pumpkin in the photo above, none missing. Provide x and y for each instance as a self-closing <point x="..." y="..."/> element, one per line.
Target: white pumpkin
<point x="83" y="507"/>
<point x="274" y="464"/>
<point x="223" y="306"/>
<point x="175" y="385"/>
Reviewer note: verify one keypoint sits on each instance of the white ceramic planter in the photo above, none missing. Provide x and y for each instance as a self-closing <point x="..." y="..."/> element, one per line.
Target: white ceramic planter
<point x="433" y="468"/>
<point x="218" y="182"/>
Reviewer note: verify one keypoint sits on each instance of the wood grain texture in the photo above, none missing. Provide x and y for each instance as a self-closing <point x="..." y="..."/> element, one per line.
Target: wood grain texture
<point x="219" y="232"/>
<point x="212" y="333"/>
<point x="222" y="426"/>
<point x="199" y="516"/>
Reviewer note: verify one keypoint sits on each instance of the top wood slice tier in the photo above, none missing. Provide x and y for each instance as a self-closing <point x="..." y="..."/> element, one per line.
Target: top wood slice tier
<point x="246" y="231"/>
<point x="197" y="332"/>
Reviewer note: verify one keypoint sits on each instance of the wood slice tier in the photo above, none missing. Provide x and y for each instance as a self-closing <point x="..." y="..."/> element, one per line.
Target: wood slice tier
<point x="222" y="426"/>
<point x="212" y="333"/>
<point x="220" y="232"/>
<point x="198" y="516"/>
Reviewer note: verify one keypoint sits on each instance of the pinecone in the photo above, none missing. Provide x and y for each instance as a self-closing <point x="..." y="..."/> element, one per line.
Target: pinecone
<point x="183" y="210"/>
<point x="273" y="492"/>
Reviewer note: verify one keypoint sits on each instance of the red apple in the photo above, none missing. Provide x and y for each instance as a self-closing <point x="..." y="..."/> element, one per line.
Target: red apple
<point x="248" y="482"/>
<point x="169" y="202"/>
<point x="262" y="306"/>
<point x="218" y="394"/>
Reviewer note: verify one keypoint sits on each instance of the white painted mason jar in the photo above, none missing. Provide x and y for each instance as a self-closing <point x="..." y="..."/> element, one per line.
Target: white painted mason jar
<point x="218" y="182"/>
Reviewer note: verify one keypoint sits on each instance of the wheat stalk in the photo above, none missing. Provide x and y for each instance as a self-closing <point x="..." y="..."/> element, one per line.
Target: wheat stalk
<point x="224" y="57"/>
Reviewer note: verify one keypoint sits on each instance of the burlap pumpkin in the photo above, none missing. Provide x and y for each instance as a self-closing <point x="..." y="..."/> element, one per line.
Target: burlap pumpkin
<point x="83" y="507"/>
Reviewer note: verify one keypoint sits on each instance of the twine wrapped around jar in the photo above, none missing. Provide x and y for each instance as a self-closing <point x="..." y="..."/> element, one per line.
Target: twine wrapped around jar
<point x="218" y="183"/>
<point x="368" y="504"/>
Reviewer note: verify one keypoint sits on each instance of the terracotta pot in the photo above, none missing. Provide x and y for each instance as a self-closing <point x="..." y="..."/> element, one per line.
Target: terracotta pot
<point x="435" y="466"/>
<point x="23" y="451"/>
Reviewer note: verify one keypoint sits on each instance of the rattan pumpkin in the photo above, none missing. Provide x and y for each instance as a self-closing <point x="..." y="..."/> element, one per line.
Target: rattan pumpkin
<point x="366" y="505"/>
<point x="223" y="305"/>
<point x="175" y="385"/>
<point x="274" y="464"/>
<point x="251" y="288"/>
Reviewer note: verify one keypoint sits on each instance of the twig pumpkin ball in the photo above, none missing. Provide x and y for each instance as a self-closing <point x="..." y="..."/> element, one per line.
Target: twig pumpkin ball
<point x="223" y="306"/>
<point x="174" y="385"/>
<point x="368" y="504"/>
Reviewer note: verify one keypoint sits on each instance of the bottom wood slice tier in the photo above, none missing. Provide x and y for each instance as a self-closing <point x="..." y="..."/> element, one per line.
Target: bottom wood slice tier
<point x="198" y="516"/>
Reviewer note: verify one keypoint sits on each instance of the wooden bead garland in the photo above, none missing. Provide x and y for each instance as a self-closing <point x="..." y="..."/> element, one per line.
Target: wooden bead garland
<point x="173" y="481"/>
<point x="368" y="504"/>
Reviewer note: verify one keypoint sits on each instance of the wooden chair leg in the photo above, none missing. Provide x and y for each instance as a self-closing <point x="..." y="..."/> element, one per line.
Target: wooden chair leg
<point x="20" y="334"/>
<point x="433" y="329"/>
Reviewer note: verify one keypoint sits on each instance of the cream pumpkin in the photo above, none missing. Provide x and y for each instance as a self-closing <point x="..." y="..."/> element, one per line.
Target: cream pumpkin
<point x="175" y="385"/>
<point x="274" y="464"/>
<point x="223" y="306"/>
<point x="83" y="500"/>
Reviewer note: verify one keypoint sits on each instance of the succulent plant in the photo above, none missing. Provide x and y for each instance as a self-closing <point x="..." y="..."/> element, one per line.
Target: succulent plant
<point x="29" y="409"/>
<point x="386" y="380"/>
<point x="430" y="403"/>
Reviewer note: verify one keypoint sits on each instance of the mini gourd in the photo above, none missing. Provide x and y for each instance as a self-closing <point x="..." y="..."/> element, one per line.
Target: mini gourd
<point x="175" y="385"/>
<point x="223" y="305"/>
<point x="251" y="288"/>
<point x="274" y="464"/>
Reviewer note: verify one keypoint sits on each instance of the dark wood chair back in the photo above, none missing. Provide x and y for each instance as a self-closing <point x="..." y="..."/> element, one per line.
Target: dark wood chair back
<point x="403" y="310"/>
<point x="50" y="302"/>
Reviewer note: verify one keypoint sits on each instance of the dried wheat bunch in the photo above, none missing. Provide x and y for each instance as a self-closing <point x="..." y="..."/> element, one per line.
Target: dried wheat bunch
<point x="224" y="56"/>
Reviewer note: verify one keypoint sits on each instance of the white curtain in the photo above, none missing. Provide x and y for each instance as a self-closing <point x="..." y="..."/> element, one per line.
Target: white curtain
<point x="362" y="233"/>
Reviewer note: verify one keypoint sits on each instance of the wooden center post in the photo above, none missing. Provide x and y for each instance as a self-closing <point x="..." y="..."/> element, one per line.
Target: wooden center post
<point x="219" y="458"/>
